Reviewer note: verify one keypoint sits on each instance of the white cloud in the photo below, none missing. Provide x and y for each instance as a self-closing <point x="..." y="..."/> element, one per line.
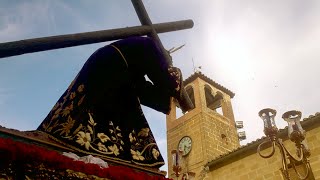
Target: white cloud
<point x="19" y="20"/>
<point x="38" y="18"/>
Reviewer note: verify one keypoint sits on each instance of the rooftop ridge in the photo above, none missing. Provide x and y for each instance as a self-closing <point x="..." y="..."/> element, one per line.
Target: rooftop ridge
<point x="210" y="81"/>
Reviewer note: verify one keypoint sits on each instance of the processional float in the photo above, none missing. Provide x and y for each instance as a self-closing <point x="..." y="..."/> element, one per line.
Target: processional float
<point x="27" y="139"/>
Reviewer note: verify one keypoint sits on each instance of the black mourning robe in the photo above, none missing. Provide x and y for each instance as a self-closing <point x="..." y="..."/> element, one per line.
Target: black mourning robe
<point x="100" y="112"/>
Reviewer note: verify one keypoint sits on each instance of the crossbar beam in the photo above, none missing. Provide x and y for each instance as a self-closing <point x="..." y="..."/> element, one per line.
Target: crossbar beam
<point x="15" y="48"/>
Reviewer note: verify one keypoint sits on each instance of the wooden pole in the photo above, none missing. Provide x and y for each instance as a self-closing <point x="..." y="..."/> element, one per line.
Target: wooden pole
<point x="184" y="100"/>
<point x="145" y="20"/>
<point x="62" y="41"/>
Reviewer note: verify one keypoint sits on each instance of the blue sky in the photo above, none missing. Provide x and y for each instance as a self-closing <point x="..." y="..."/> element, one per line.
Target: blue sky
<point x="267" y="52"/>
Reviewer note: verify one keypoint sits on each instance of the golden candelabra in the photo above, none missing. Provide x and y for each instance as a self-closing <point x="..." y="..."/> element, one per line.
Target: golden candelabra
<point x="177" y="161"/>
<point x="296" y="134"/>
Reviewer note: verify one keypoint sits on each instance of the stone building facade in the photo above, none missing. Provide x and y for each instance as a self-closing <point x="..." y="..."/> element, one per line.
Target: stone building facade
<point x="244" y="163"/>
<point x="215" y="149"/>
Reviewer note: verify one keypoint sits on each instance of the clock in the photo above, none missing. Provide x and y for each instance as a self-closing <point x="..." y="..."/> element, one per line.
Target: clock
<point x="185" y="145"/>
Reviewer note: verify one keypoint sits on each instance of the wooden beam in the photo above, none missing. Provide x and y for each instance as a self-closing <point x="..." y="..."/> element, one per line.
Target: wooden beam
<point x="62" y="41"/>
<point x="184" y="101"/>
<point x="145" y="20"/>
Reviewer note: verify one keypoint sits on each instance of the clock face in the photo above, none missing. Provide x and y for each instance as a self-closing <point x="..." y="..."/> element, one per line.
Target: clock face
<point x="185" y="145"/>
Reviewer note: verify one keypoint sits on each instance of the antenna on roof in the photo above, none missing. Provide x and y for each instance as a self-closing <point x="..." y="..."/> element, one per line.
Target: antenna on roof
<point x="195" y="69"/>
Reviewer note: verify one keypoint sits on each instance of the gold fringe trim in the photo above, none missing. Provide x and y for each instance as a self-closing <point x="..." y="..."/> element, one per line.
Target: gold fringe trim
<point x="120" y="54"/>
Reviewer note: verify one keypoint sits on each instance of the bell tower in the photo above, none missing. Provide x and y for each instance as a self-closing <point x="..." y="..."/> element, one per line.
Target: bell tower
<point x="210" y="126"/>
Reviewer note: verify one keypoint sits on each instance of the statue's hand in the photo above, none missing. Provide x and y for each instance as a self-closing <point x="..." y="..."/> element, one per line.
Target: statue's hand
<point x="176" y="78"/>
<point x="178" y="91"/>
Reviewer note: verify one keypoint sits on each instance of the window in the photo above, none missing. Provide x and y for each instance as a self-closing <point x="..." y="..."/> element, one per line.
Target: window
<point x="190" y="92"/>
<point x="213" y="102"/>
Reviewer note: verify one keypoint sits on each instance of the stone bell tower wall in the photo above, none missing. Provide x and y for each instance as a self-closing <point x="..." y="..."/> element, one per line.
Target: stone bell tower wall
<point x="212" y="134"/>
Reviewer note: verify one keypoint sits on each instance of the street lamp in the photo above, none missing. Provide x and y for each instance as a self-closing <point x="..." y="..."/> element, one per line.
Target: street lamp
<point x="296" y="134"/>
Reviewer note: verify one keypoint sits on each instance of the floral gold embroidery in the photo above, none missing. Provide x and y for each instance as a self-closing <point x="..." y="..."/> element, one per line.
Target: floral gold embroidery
<point x="74" y="122"/>
<point x="84" y="139"/>
<point x="155" y="153"/>
<point x="60" y="109"/>
<point x="55" y="116"/>
<point x="57" y="112"/>
<point x="72" y="95"/>
<point x="144" y="132"/>
<point x="67" y="110"/>
<point x="114" y="149"/>
<point x="81" y="100"/>
<point x="143" y="146"/>
<point x="96" y="142"/>
<point x="104" y="138"/>
<point x="50" y="128"/>
<point x="91" y="121"/>
<point x="45" y="126"/>
<point x="102" y="147"/>
<point x="131" y="138"/>
<point x="66" y="127"/>
<point x="56" y="106"/>
<point x="136" y="155"/>
<point x="80" y="88"/>
<point x="90" y="129"/>
<point x="78" y="129"/>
